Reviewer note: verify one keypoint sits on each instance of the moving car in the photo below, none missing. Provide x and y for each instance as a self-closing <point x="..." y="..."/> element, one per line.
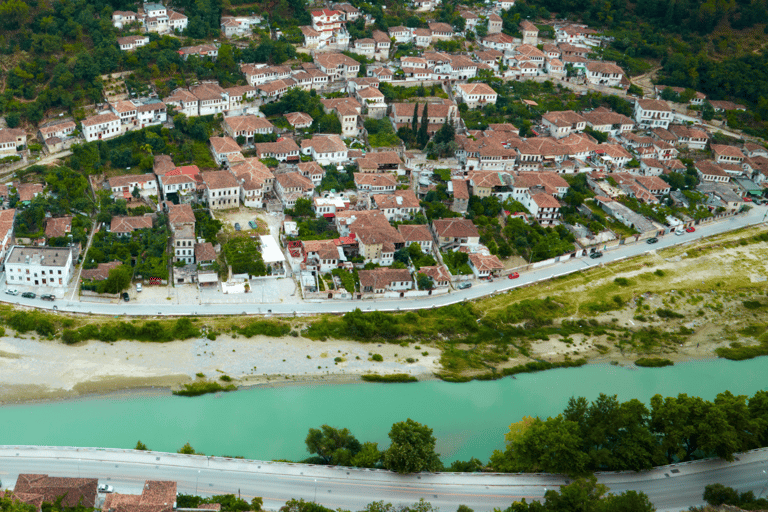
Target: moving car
<point x="106" y="488"/>
<point x="464" y="285"/>
<point x="690" y="229"/>
<point x="596" y="254"/>
<point x="12" y="291"/>
<point x="514" y="275"/>
<point x="28" y="295"/>
<point x="652" y="240"/>
<point x="126" y="298"/>
<point x="679" y="231"/>
<point x="237" y="226"/>
<point x="49" y="297"/>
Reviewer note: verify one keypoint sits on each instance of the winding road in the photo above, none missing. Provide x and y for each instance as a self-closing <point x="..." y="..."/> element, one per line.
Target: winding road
<point x="756" y="215"/>
<point x="669" y="487"/>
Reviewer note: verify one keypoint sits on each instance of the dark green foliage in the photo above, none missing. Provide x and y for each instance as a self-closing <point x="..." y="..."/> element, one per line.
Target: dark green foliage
<point x="412" y="449"/>
<point x="472" y="465"/>
<point x="243" y="254"/>
<point x="393" y="377"/>
<point x="153" y="331"/>
<point x="338" y="181"/>
<point x="303" y="506"/>
<point x="145" y="249"/>
<point x="668" y="314"/>
<point x="141" y="446"/>
<point x="739" y="352"/>
<point x="203" y="387"/>
<point x="334" y="446"/>
<point x="229" y="502"/>
<point x="264" y="328"/>
<point x="653" y="362"/>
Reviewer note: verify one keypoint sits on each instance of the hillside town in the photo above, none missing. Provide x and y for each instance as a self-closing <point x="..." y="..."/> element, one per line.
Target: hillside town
<point x="365" y="168"/>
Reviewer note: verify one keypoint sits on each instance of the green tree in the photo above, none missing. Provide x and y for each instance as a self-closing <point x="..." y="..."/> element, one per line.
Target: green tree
<point x="415" y="120"/>
<point x="257" y="503"/>
<point x="334" y="446"/>
<point x="412" y="449"/>
<point x="582" y="495"/>
<point x="424" y="281"/>
<point x="422" y="137"/>
<point x="188" y="450"/>
<point x="119" y="279"/>
<point x="628" y="501"/>
<point x="369" y="456"/>
<point x="141" y="446"/>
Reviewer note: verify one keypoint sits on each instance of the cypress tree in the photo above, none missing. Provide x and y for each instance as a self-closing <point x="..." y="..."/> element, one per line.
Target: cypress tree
<point x="415" y="120"/>
<point x="423" y="136"/>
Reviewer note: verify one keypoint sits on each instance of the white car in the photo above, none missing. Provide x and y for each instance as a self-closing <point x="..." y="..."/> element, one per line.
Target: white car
<point x="12" y="291"/>
<point x="138" y="287"/>
<point x="106" y="488"/>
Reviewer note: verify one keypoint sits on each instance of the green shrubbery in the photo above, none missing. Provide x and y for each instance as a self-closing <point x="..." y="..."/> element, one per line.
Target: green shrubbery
<point x="153" y="330"/>
<point x="653" y="362"/>
<point x="264" y="328"/>
<point x="202" y="388"/>
<point x="394" y="377"/>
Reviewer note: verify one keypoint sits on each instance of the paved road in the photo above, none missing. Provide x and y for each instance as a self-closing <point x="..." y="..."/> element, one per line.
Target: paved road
<point x="669" y="487"/>
<point x="755" y="216"/>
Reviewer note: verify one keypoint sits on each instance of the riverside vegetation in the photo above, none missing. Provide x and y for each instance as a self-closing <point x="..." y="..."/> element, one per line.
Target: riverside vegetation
<point x="643" y="308"/>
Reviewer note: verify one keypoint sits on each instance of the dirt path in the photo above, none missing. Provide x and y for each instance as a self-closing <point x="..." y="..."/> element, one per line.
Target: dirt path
<point x="645" y="81"/>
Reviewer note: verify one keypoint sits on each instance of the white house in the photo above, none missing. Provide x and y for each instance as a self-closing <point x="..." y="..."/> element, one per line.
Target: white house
<point x="48" y="267"/>
<point x="476" y="94"/>
<point x="129" y="43"/>
<point x="325" y="149"/>
<point x="652" y="113"/>
<point x="223" y="148"/>
<point x="122" y="187"/>
<point x="222" y="190"/>
<point x="604" y="73"/>
<point x="101" y="127"/>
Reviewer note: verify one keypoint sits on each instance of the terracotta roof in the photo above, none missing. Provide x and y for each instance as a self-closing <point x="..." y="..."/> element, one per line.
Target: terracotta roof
<point x="75" y="490"/>
<point x="58" y="227"/>
<point x="460" y="189"/>
<point x="281" y="147"/>
<point x="100" y="118"/>
<point x="375" y="179"/>
<point x="332" y="60"/>
<point x="437" y="273"/>
<point x="27" y="191"/>
<point x="127" y="179"/>
<point x="224" y="145"/>
<point x="247" y="123"/>
<point x="400" y="199"/>
<point x="101" y="272"/>
<point x="527" y="26"/>
<point x="563" y="118"/>
<point x="681" y="131"/>
<point x="325" y="249"/>
<point x="500" y="38"/>
<point x="724" y="150"/>
<point x="709" y="167"/>
<point x="215" y="180"/>
<point x="455" y="228"/>
<point x="205" y="252"/>
<point x="126" y="224"/>
<point x="486" y="262"/>
<point x="658" y="105"/>
<point x="607" y="68"/>
<point x="441" y="28"/>
<point x="325" y="144"/>
<point x="295" y="118"/>
<point x="380" y="278"/>
<point x="476" y="88"/>
<point x="181" y="214"/>
<point x="415" y="233"/>
<point x="384" y="157"/>
<point x="294" y="180"/>
<point x="544" y="200"/>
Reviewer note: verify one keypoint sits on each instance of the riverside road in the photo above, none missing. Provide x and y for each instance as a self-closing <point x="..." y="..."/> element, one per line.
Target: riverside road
<point x="669" y="487"/>
<point x="756" y="215"/>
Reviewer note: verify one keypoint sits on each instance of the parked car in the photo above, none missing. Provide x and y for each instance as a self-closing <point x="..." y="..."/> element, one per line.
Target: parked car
<point x="464" y="285"/>
<point x="690" y="229"/>
<point x="652" y="240"/>
<point x="514" y="275"/>
<point x="680" y="231"/>
<point x="237" y="226"/>
<point x="253" y="224"/>
<point x="126" y="298"/>
<point x="106" y="488"/>
<point x="28" y="295"/>
<point x="49" y="297"/>
<point x="138" y="287"/>
<point x="12" y="291"/>
<point x="596" y="254"/>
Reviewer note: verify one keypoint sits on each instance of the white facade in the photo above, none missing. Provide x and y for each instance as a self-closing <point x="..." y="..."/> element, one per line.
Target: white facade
<point x="48" y="267"/>
<point x="101" y="127"/>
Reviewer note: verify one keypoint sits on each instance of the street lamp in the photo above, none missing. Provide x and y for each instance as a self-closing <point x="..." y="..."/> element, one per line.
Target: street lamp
<point x="763" y="489"/>
<point x="197" y="481"/>
<point x="315" y="500"/>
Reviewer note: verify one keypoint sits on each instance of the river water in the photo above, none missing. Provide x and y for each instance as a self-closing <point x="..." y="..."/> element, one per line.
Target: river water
<point x="469" y="420"/>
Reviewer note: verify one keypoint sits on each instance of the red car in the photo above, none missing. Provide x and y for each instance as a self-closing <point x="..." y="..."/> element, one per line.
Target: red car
<point x="690" y="229"/>
<point x="514" y="275"/>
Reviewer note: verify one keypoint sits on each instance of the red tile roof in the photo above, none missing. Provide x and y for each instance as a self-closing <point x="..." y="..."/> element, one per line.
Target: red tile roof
<point x="74" y="490"/>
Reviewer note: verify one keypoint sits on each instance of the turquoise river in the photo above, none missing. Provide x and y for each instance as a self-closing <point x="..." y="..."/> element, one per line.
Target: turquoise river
<point x="469" y="420"/>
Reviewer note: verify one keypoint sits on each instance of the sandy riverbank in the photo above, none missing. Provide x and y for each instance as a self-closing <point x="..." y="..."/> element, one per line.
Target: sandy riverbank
<point x="33" y="369"/>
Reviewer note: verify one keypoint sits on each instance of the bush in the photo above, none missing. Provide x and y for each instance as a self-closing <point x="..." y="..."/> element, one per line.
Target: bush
<point x="668" y="313"/>
<point x="622" y="281"/>
<point x="395" y="377"/>
<point x="738" y="352"/>
<point x="653" y="362"/>
<point x="203" y="387"/>
<point x="264" y="328"/>
<point x="752" y="304"/>
<point x="226" y="378"/>
<point x="377" y="357"/>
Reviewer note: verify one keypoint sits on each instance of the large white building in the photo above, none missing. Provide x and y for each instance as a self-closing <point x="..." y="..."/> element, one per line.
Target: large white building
<point x="652" y="113"/>
<point x="101" y="127"/>
<point x="38" y="266"/>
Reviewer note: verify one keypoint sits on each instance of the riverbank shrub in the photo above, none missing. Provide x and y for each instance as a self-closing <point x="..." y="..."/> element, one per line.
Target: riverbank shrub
<point x="530" y="367"/>
<point x="653" y="362"/>
<point x="739" y="352"/>
<point x="202" y="388"/>
<point x="394" y="377"/>
<point x="264" y="328"/>
<point x="150" y="330"/>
